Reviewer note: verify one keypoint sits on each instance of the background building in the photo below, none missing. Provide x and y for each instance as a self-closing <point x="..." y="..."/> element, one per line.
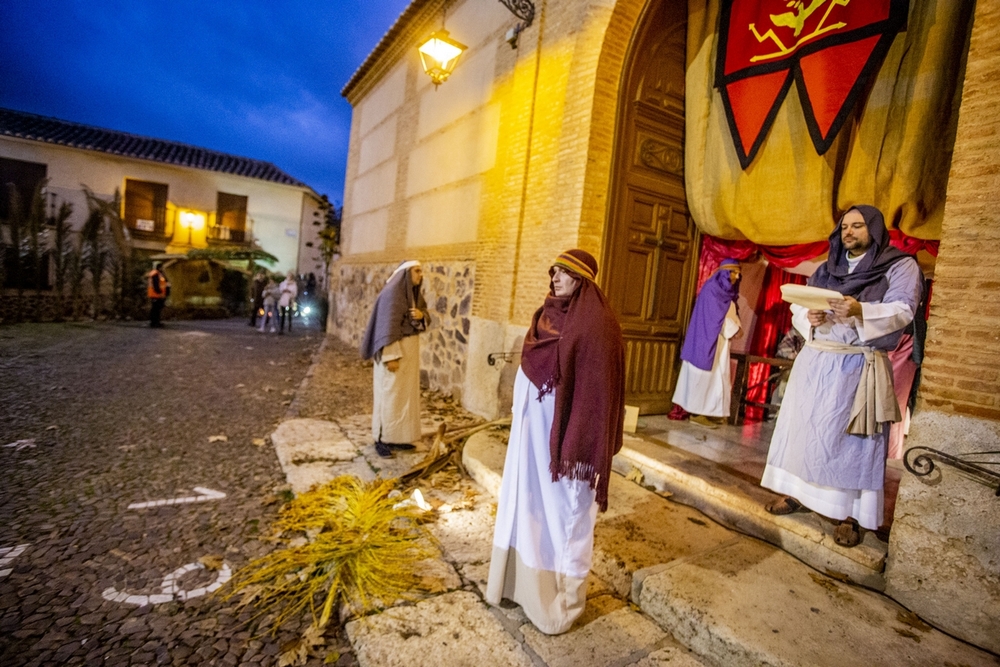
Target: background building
<point x="174" y="197"/>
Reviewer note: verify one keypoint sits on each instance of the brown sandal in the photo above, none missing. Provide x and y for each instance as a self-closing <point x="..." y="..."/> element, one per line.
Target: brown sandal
<point x="784" y="505"/>
<point x="847" y="534"/>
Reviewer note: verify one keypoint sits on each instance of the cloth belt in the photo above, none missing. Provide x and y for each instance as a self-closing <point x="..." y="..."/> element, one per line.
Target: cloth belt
<point x="875" y="401"/>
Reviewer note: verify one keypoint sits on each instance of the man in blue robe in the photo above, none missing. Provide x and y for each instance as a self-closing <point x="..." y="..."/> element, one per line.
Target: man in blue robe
<point x="828" y="450"/>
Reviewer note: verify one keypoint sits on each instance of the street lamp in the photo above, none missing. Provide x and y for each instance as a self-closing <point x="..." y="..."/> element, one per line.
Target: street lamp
<point x="191" y="221"/>
<point x="439" y="54"/>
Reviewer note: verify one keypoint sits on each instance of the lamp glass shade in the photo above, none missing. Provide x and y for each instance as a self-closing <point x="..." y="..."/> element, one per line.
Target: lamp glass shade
<point x="439" y="54"/>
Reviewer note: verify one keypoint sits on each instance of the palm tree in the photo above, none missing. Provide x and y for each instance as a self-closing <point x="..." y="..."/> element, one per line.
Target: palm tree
<point x="107" y="245"/>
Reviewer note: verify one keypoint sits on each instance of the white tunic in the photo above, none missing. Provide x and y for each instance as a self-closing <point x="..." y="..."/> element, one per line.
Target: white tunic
<point x="708" y="393"/>
<point x="396" y="396"/>
<point x="543" y="542"/>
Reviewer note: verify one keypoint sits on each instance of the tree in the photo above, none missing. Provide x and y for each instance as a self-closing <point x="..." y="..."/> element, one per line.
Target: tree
<point x="329" y="236"/>
<point x="61" y="252"/>
<point x="108" y="246"/>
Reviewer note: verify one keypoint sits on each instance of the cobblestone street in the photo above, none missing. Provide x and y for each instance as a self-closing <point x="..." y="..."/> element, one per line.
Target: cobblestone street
<point x="100" y="417"/>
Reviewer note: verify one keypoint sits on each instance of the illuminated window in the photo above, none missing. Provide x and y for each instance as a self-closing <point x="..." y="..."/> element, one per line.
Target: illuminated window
<point x="231" y="218"/>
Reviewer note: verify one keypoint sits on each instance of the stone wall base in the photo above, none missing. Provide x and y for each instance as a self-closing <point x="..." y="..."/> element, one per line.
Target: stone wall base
<point x="944" y="548"/>
<point x="448" y="290"/>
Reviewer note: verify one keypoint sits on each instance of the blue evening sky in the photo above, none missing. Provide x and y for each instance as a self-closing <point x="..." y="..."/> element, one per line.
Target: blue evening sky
<point x="255" y="78"/>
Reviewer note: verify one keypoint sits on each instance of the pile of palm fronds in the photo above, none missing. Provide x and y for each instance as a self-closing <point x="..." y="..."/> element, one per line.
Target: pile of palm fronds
<point x="346" y="542"/>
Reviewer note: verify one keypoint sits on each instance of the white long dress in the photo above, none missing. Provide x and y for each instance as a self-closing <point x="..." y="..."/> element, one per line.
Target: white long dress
<point x="543" y="543"/>
<point x="709" y="392"/>
<point x="811" y="457"/>
<point x="396" y="396"/>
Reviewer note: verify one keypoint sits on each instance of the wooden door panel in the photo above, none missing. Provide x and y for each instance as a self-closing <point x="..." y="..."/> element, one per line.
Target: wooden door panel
<point x="651" y="241"/>
<point x="649" y="372"/>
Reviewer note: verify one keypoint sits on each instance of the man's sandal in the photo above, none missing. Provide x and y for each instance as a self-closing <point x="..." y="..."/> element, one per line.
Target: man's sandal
<point x="782" y="506"/>
<point x="847" y="534"/>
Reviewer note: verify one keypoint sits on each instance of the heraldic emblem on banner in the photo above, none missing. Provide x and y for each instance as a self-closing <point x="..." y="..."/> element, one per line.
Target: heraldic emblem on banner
<point x="829" y="48"/>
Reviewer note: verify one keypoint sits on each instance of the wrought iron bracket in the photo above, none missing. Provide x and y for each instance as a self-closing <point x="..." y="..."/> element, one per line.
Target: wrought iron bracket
<point x="522" y="9"/>
<point x="920" y="462"/>
<point x="506" y="357"/>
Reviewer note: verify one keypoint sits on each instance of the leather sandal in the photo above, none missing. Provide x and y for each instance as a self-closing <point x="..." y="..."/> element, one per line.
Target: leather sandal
<point x="847" y="534"/>
<point x="784" y="505"/>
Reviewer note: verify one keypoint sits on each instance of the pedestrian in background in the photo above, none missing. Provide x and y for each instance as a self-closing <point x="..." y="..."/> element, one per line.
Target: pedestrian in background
<point x="566" y="425"/>
<point x="392" y="340"/>
<point x="257" y="294"/>
<point x="158" y="289"/>
<point x="288" y="292"/>
<point x="270" y="301"/>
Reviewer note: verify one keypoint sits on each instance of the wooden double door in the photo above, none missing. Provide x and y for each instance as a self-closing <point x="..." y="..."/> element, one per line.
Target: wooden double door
<point x="651" y="243"/>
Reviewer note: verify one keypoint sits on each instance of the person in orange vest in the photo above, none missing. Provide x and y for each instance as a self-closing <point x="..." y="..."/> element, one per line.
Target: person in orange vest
<point x="158" y="289"/>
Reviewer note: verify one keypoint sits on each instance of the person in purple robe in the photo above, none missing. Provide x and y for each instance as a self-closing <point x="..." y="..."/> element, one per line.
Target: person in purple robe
<point x="704" y="384"/>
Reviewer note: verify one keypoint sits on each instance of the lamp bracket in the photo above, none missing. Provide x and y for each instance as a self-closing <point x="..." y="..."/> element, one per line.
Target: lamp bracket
<point x="522" y="9"/>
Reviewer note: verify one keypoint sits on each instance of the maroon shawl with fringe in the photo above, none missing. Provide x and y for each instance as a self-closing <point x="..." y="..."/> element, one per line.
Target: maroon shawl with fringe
<point x="574" y="348"/>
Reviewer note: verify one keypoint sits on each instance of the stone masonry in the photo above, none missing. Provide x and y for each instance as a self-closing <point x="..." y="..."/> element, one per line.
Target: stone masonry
<point x="448" y="290"/>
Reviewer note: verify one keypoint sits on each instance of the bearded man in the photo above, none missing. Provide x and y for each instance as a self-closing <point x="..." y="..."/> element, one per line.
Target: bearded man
<point x="828" y="450"/>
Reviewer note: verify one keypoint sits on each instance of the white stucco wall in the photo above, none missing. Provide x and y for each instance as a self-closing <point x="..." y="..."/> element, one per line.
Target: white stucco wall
<point x="274" y="211"/>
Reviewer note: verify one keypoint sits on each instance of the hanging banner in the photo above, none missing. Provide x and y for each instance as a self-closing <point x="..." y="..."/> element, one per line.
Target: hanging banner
<point x="829" y="48"/>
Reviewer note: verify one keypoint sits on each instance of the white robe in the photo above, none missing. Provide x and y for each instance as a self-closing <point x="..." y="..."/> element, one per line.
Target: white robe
<point x="543" y="542"/>
<point x="396" y="396"/>
<point x="709" y="392"/>
<point x="809" y="437"/>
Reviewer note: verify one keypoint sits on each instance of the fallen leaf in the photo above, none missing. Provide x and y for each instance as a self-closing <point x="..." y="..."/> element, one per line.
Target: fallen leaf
<point x="218" y="438"/>
<point x="260" y="442"/>
<point x="240" y="385"/>
<point x="635" y="475"/>
<point x="54" y="427"/>
<point x="331" y="657"/>
<point x="211" y="562"/>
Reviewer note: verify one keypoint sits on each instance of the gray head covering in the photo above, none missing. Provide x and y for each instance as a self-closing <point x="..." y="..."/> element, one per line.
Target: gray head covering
<point x="390" y="319"/>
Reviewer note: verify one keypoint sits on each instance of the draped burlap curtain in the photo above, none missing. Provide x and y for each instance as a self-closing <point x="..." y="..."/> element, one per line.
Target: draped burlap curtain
<point x="893" y="152"/>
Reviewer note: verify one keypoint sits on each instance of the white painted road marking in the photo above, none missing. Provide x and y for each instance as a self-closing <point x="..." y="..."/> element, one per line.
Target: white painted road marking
<point x="18" y="445"/>
<point x="7" y="556"/>
<point x="205" y="494"/>
<point x="171" y="591"/>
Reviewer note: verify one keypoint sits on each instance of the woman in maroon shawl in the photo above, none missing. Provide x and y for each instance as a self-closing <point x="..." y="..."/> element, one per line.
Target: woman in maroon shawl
<point x="566" y="425"/>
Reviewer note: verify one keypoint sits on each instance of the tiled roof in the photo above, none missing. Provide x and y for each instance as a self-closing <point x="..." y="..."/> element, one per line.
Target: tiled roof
<point x="65" y="133"/>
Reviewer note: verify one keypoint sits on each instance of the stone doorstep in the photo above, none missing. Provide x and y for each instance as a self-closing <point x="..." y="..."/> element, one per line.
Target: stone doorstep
<point x="749" y="603"/>
<point x="739" y="504"/>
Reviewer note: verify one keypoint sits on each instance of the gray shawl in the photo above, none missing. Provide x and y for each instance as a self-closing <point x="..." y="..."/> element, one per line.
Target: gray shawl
<point x="390" y="320"/>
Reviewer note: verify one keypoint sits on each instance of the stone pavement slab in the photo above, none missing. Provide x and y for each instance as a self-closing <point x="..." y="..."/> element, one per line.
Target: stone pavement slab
<point x="451" y="629"/>
<point x="610" y="639"/>
<point x="749" y="603"/>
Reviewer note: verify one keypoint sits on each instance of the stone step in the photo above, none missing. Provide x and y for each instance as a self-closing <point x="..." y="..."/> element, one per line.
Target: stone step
<point x="738" y="503"/>
<point x="750" y="603"/>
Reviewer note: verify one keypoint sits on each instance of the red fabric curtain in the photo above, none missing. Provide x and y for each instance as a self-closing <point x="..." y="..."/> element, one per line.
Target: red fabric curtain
<point x="714" y="250"/>
<point x="774" y="318"/>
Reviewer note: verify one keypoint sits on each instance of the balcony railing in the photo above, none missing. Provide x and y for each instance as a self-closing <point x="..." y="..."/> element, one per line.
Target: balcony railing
<point x="222" y="234"/>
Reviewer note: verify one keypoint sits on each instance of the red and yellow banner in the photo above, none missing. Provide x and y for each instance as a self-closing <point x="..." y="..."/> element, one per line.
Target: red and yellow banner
<point x="829" y="48"/>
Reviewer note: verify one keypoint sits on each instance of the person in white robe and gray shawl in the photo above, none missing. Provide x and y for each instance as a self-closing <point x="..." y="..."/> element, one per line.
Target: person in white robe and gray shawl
<point x="566" y="425"/>
<point x="391" y="340"/>
<point x="828" y="450"/>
